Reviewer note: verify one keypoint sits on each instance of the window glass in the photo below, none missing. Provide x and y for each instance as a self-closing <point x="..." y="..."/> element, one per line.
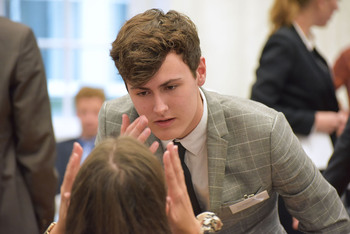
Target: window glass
<point x="74" y="37"/>
<point x="54" y="63"/>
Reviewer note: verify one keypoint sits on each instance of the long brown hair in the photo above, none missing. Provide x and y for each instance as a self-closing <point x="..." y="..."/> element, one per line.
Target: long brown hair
<point x="283" y="12"/>
<point x="120" y="188"/>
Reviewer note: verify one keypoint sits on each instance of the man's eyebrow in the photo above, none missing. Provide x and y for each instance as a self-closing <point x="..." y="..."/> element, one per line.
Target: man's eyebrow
<point x="166" y="83"/>
<point x="169" y="81"/>
<point x="139" y="87"/>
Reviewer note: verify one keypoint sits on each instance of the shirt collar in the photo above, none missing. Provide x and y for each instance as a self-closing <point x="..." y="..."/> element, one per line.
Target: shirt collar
<point x="87" y="141"/>
<point x="194" y="141"/>
<point x="308" y="41"/>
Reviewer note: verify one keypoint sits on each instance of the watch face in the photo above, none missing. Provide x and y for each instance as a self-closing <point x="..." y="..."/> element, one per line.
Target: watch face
<point x="209" y="222"/>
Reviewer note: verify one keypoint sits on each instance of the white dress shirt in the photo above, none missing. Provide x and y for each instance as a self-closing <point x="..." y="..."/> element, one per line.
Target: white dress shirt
<point x="196" y="157"/>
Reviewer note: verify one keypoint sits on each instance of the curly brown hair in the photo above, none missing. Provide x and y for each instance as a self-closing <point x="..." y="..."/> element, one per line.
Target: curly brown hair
<point x="146" y="39"/>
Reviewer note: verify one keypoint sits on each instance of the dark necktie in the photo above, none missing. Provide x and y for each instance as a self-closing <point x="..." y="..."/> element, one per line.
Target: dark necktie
<point x="188" y="180"/>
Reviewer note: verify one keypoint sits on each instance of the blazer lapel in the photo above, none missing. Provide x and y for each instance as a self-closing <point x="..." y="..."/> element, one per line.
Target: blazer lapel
<point x="317" y="60"/>
<point x="217" y="150"/>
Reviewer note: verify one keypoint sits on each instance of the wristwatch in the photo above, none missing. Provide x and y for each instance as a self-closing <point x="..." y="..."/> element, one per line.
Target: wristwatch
<point x="210" y="223"/>
<point x="49" y="229"/>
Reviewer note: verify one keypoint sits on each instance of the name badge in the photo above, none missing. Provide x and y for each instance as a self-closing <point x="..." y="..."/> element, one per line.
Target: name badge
<point x="249" y="201"/>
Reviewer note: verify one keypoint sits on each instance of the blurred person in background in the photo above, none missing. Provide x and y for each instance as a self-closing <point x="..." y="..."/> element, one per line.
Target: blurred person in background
<point x="341" y="71"/>
<point x="337" y="172"/>
<point x="27" y="144"/>
<point x="88" y="102"/>
<point x="295" y="79"/>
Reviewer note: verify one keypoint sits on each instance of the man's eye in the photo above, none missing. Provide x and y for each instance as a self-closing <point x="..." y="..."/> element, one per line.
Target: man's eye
<point x="171" y="87"/>
<point x="143" y="93"/>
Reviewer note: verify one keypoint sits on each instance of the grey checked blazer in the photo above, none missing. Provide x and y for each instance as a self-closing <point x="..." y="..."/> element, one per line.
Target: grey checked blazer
<point x="251" y="148"/>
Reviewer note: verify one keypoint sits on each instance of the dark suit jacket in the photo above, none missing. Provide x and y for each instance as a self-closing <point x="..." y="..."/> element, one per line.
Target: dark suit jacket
<point x="64" y="150"/>
<point x="27" y="144"/>
<point x="251" y="149"/>
<point x="338" y="170"/>
<point x="293" y="80"/>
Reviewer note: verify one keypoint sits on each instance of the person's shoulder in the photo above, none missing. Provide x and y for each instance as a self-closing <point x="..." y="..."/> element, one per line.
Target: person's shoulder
<point x="120" y="104"/>
<point x="16" y="36"/>
<point x="285" y="31"/>
<point x="13" y="27"/>
<point x="234" y="106"/>
<point x="286" y="38"/>
<point x="115" y="108"/>
<point x="285" y="35"/>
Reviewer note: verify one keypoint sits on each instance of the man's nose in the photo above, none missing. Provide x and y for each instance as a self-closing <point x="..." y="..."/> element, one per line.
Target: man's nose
<point x="160" y="105"/>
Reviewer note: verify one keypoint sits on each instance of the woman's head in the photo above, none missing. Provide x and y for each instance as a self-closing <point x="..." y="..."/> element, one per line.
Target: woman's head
<point x="284" y="12"/>
<point x="120" y="188"/>
<point x="325" y="9"/>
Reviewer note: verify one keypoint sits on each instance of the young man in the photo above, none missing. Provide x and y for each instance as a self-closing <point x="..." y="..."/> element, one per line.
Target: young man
<point x="240" y="153"/>
<point x="88" y="102"/>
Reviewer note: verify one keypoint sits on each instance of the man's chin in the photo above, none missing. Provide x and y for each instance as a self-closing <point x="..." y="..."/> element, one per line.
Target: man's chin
<point x="165" y="135"/>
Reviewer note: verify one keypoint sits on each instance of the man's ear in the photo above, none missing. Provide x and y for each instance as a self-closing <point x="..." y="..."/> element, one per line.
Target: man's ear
<point x="167" y="206"/>
<point x="201" y="72"/>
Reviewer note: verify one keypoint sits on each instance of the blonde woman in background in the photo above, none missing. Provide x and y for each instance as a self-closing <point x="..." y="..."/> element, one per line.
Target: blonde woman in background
<point x="295" y="79"/>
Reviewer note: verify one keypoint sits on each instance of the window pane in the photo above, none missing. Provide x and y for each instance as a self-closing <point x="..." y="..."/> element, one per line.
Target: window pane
<point x="75" y="38"/>
<point x="54" y="63"/>
<point x="56" y="106"/>
<point x="48" y="18"/>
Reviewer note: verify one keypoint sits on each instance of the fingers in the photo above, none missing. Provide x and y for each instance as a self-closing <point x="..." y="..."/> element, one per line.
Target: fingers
<point x="176" y="164"/>
<point x="65" y="199"/>
<point x="72" y="168"/>
<point x="125" y="124"/>
<point x="295" y="224"/>
<point x="327" y="121"/>
<point x="169" y="172"/>
<point x="178" y="207"/>
<point x="153" y="148"/>
<point x="138" y="130"/>
<point x="173" y="170"/>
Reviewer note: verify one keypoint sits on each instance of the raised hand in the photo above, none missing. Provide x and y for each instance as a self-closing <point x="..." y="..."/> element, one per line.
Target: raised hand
<point x="138" y="129"/>
<point x="328" y="121"/>
<point x="179" y="209"/>
<point x="72" y="169"/>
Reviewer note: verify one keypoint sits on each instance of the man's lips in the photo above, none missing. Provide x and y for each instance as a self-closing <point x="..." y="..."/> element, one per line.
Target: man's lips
<point x="164" y="122"/>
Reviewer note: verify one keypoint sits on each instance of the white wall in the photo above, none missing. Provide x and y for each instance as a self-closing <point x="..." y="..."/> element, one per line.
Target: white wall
<point x="233" y="32"/>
